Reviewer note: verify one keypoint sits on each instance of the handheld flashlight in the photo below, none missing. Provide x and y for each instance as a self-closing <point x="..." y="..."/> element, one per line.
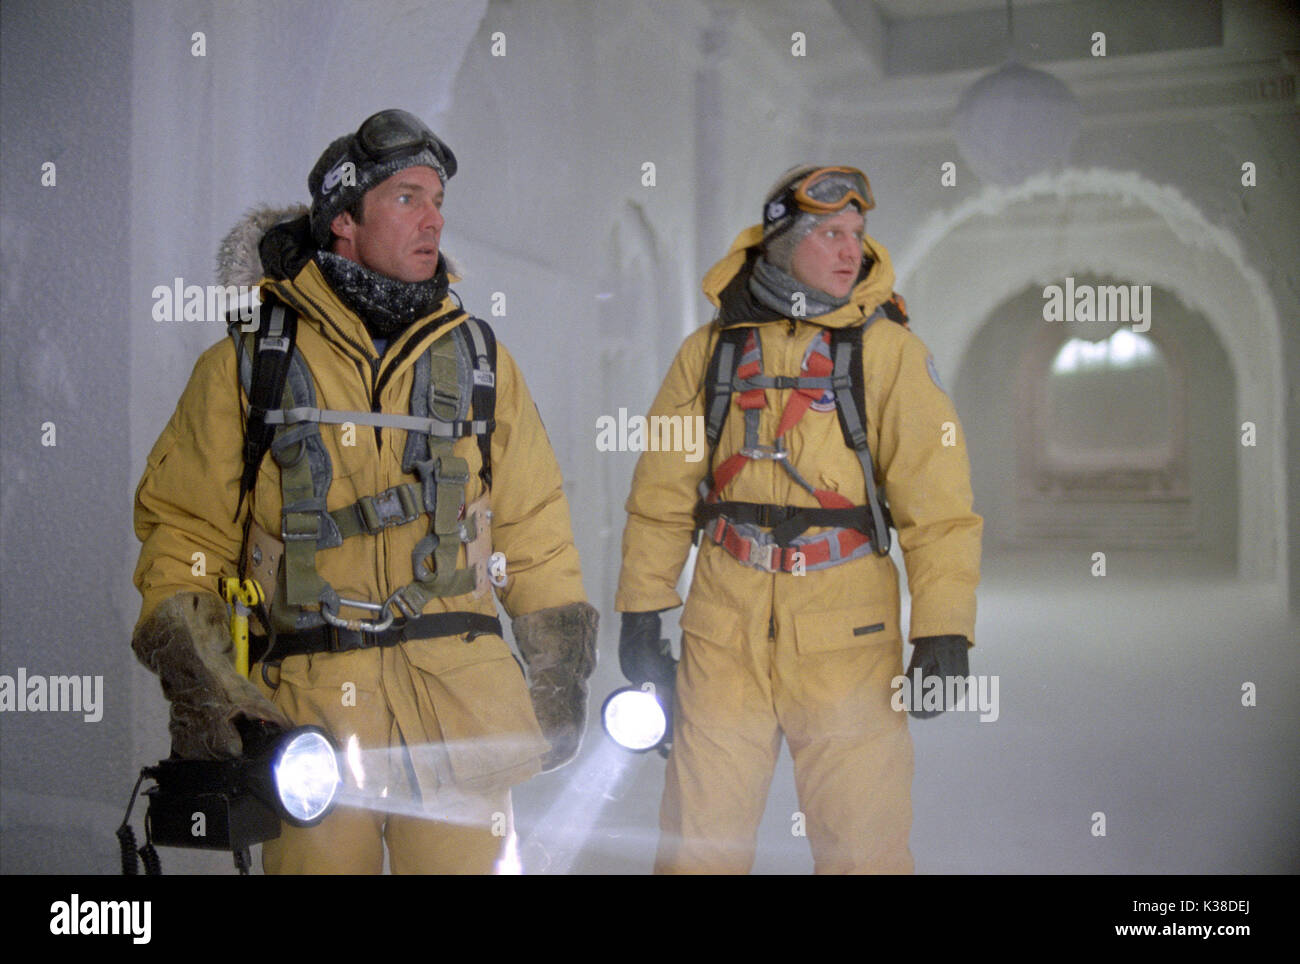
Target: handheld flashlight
<point x="635" y="718"/>
<point x="284" y="775"/>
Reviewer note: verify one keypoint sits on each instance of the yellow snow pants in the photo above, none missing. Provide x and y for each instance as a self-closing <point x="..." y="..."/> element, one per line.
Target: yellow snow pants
<point x="450" y="832"/>
<point x="809" y="657"/>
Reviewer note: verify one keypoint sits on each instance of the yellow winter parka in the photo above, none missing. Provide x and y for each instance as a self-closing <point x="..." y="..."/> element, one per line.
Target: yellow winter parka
<point x="461" y="711"/>
<point x="914" y="435"/>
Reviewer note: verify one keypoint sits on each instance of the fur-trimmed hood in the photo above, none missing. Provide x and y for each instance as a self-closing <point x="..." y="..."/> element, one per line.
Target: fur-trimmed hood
<point x="238" y="259"/>
<point x="276" y="241"/>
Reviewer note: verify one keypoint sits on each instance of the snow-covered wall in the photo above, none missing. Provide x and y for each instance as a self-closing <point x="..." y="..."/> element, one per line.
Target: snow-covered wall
<point x="65" y="468"/>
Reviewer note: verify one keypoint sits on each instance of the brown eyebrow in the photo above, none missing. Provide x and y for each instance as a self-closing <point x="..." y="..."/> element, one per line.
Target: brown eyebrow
<point x="411" y="186"/>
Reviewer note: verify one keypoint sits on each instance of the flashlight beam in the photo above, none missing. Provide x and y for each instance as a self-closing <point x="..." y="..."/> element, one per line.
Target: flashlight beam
<point x="562" y="832"/>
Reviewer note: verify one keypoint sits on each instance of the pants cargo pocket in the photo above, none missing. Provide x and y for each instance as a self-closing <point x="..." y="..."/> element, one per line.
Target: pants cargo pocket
<point x="847" y="661"/>
<point x="711" y="677"/>
<point x="481" y="704"/>
<point x="335" y="691"/>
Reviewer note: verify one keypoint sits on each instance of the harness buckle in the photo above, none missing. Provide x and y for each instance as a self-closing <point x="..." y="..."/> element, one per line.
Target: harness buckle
<point x="407" y="609"/>
<point x="299" y="534"/>
<point x="761" y="555"/>
<point x="442" y="475"/>
<point x="763" y="452"/>
<point x="385" y="509"/>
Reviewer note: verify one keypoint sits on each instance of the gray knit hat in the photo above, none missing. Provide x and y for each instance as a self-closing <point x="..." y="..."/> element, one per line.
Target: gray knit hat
<point x="785" y="224"/>
<point x="351" y="165"/>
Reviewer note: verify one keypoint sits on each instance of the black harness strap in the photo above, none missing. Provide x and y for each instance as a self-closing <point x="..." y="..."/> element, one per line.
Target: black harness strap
<point x="718" y="384"/>
<point x="277" y="326"/>
<point x="846" y="353"/>
<point x="330" y="639"/>
<point x="787" y="522"/>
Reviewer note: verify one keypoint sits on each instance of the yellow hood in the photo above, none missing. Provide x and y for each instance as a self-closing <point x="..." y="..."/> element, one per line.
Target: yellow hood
<point x="866" y="296"/>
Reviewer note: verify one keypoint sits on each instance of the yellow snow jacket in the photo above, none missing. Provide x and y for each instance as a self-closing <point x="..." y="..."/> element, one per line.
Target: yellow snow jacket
<point x="914" y="435"/>
<point x="461" y="710"/>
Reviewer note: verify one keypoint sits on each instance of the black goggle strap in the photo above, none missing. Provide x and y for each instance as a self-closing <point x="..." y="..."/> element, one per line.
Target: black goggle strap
<point x="783" y="210"/>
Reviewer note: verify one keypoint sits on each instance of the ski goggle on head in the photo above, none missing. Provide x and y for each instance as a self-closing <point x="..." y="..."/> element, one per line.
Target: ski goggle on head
<point x="393" y="132"/>
<point x="822" y="191"/>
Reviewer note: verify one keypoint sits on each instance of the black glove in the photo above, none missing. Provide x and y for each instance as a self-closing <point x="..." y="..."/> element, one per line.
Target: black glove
<point x="940" y="656"/>
<point x="642" y="654"/>
<point x="645" y="657"/>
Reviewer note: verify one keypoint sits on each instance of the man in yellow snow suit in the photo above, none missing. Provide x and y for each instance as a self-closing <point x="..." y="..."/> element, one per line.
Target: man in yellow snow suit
<point x="402" y="458"/>
<point x="792" y="623"/>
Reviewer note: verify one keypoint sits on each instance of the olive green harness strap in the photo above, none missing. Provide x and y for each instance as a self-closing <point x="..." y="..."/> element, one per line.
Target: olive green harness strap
<point x="446" y="377"/>
<point x="303" y="520"/>
<point x="371" y="514"/>
<point x="442" y="387"/>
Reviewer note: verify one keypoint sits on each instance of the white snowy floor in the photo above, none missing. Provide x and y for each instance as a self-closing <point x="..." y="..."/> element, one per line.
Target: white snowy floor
<point x="1120" y="695"/>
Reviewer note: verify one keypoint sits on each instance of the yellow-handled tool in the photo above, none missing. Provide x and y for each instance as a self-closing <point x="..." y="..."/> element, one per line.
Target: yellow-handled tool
<point x="242" y="596"/>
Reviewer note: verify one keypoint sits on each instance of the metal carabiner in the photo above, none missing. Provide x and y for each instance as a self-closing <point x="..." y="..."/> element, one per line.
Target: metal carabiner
<point x="357" y="625"/>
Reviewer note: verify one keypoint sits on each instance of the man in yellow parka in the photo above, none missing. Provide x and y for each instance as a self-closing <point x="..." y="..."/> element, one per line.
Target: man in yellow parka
<point x="791" y="626"/>
<point x="406" y="471"/>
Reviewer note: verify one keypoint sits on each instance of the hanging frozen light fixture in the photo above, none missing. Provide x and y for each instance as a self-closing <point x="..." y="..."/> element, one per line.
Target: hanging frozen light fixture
<point x="1016" y="121"/>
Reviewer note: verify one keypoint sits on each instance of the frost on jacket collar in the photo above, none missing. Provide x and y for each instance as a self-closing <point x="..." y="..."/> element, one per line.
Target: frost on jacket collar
<point x="724" y="284"/>
<point x="272" y="247"/>
<point x="266" y="242"/>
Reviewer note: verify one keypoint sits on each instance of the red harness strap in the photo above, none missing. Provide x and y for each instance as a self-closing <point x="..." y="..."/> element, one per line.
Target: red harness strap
<point x="774" y="558"/>
<point x="751" y="364"/>
<point x="817" y="364"/>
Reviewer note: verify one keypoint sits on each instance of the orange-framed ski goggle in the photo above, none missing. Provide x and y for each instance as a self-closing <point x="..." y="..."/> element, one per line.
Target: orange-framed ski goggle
<point x="822" y="191"/>
<point x="829" y="189"/>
